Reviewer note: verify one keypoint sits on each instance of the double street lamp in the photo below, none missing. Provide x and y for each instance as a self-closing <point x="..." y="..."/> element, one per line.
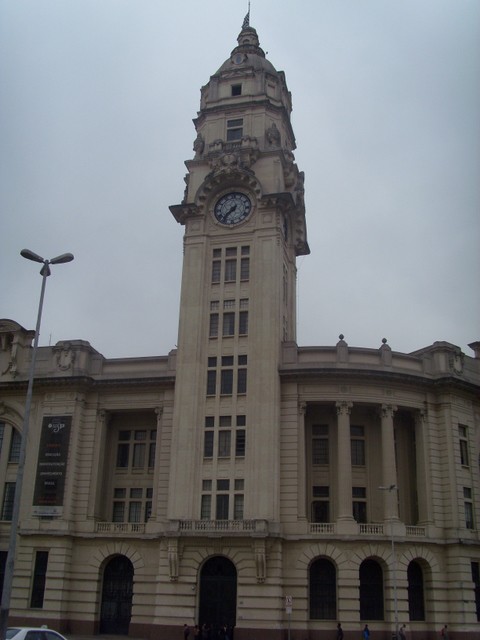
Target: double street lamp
<point x="9" y="566"/>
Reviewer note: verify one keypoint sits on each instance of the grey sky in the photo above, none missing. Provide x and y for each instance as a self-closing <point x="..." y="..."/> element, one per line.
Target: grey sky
<point x="96" y="105"/>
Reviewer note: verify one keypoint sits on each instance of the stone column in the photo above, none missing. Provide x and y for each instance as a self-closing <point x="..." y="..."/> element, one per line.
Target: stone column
<point x="302" y="463"/>
<point x="424" y="482"/>
<point x="389" y="467"/>
<point x="344" y="462"/>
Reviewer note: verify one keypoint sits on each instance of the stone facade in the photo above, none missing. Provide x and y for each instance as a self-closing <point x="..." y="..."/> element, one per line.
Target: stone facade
<point x="242" y="479"/>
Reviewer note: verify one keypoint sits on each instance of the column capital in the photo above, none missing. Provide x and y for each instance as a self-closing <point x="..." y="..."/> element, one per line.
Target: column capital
<point x="387" y="410"/>
<point x="302" y="408"/>
<point x="344" y="407"/>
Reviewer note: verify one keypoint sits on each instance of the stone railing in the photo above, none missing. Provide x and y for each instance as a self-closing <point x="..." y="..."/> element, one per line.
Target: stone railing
<point x="122" y="528"/>
<point x="322" y="527"/>
<point x="415" y="532"/>
<point x="220" y="526"/>
<point x="371" y="529"/>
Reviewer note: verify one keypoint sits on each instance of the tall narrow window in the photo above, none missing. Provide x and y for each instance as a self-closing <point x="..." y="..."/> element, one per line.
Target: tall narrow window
<point x="462" y="432"/>
<point x="245" y="269"/>
<point x="206" y="507"/>
<point x="371" y="591"/>
<point x="416" y="598"/>
<point x="357" y="435"/>
<point x="216" y="270"/>
<point x="243" y="323"/>
<point x="359" y="504"/>
<point x="211" y="382"/>
<point x="323" y="590"/>
<point x="229" y="324"/>
<point x="467" y="494"/>
<point x="8" y="498"/>
<point x="224" y="443"/>
<point x="230" y="270"/>
<point x="39" y="580"/>
<point x="320" y="444"/>
<point x="321" y="504"/>
<point x="15" y="444"/>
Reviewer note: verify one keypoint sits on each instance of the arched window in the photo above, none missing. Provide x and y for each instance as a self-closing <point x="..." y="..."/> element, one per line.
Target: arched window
<point x="323" y="590"/>
<point x="371" y="591"/>
<point x="416" y="601"/>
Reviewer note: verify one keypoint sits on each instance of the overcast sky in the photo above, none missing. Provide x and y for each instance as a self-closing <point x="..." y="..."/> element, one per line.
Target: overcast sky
<point x="97" y="99"/>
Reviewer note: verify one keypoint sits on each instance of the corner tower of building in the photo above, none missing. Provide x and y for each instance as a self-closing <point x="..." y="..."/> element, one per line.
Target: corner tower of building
<point x="244" y="217"/>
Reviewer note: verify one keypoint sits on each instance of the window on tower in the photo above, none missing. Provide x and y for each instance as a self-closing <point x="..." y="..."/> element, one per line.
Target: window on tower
<point x="236" y="89"/>
<point x="234" y="130"/>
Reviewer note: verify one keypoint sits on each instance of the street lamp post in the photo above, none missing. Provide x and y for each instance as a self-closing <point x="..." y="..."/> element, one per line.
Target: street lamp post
<point x="393" y="487"/>
<point x="9" y="565"/>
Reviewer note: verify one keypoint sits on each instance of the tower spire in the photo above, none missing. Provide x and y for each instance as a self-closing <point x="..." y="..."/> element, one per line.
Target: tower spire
<point x="246" y="20"/>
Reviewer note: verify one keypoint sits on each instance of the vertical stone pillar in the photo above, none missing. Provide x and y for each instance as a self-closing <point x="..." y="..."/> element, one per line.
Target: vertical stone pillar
<point x="389" y="468"/>
<point x="302" y="463"/>
<point x="344" y="462"/>
<point x="424" y="482"/>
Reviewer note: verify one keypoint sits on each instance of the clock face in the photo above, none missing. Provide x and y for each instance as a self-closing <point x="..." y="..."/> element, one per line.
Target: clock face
<point x="232" y="208"/>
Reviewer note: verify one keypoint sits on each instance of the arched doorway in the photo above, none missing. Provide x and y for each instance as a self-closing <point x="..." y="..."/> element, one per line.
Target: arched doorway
<point x="218" y="593"/>
<point x="117" y="592"/>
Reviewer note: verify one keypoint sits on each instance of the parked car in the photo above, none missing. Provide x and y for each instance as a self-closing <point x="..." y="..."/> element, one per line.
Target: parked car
<point x="32" y="633"/>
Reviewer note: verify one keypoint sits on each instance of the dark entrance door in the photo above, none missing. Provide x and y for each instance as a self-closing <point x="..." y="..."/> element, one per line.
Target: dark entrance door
<point x="117" y="593"/>
<point x="218" y="593"/>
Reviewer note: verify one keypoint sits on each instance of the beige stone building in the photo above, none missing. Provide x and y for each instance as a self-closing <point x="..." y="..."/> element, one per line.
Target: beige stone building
<point x="242" y="479"/>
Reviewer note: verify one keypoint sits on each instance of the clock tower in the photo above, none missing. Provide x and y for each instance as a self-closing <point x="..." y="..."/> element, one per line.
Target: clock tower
<point x="244" y="218"/>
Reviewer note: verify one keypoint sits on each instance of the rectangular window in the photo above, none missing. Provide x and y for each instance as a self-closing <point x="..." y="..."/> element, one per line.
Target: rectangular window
<point x="240" y="440"/>
<point x="213" y="331"/>
<point x="234" y="129"/>
<point x="226" y="382"/>
<point x="357" y="444"/>
<point x="238" y="506"/>
<point x="39" y="580"/>
<point x="224" y="444"/>
<point x="123" y="451"/>
<point x="216" y="269"/>
<point x="15" y="444"/>
<point x="359" y="504"/>
<point x="118" y="514"/>
<point x="462" y="432"/>
<point x="206" y="507"/>
<point x="242" y="381"/>
<point x="8" y="498"/>
<point x="134" y="511"/>
<point x="236" y="89"/>
<point x="245" y="269"/>
<point x="208" y="445"/>
<point x="320" y="449"/>
<point x="221" y="512"/>
<point x="467" y="494"/>
<point x="243" y="323"/>
<point x="151" y="455"/>
<point x="211" y="383"/>
<point x="138" y="456"/>
<point x="229" y="324"/>
<point x="320" y="511"/>
<point x="230" y="270"/>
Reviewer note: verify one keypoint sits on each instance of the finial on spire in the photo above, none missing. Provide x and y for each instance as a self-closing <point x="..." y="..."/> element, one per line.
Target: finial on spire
<point x="246" y="20"/>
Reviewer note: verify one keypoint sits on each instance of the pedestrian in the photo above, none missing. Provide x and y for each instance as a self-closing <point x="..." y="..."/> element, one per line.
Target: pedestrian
<point x="186" y="631"/>
<point x="444" y="633"/>
<point x="366" y="632"/>
<point x="339" y="632"/>
<point x="402" y="633"/>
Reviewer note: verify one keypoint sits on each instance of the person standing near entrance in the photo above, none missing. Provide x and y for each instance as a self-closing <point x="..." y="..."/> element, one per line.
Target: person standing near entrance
<point x="339" y="632"/>
<point x="401" y="632"/>
<point x="366" y="633"/>
<point x="186" y="631"/>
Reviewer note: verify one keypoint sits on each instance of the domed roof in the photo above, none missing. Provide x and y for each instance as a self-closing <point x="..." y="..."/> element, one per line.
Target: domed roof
<point x="248" y="53"/>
